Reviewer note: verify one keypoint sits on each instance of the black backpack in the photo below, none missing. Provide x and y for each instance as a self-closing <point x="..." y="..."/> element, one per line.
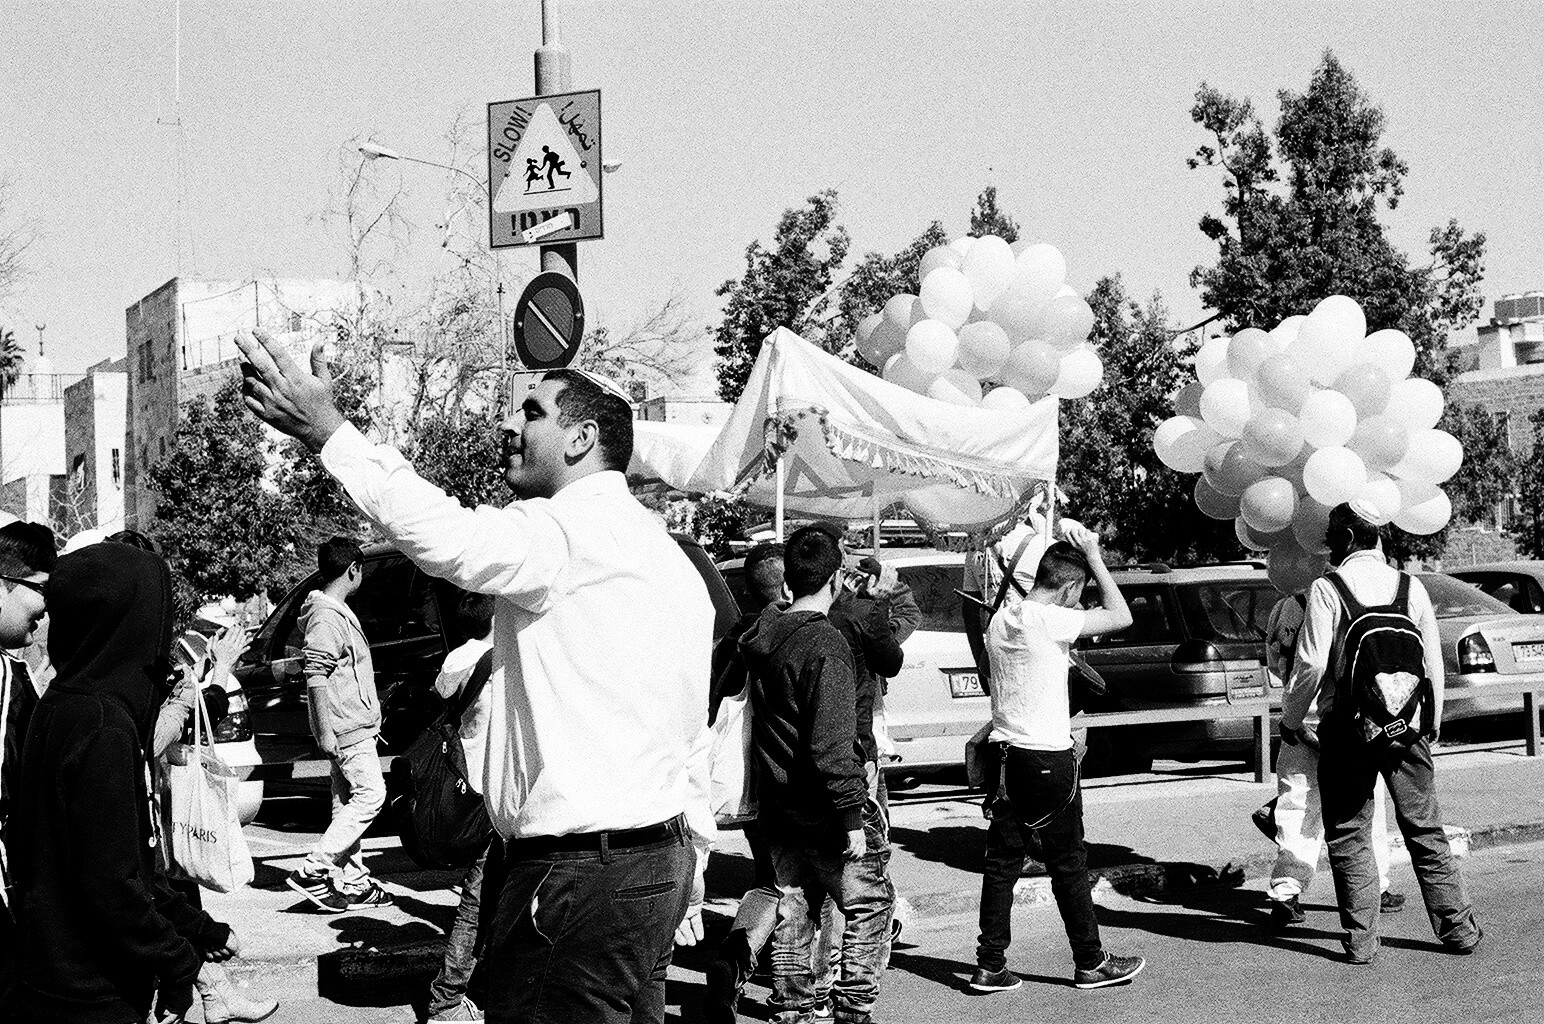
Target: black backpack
<point x="1383" y="692"/>
<point x="437" y="810"/>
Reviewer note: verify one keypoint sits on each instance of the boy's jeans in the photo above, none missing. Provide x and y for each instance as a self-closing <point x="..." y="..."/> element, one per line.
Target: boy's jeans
<point x="808" y="869"/>
<point x="450" y="985"/>
<point x="358" y="794"/>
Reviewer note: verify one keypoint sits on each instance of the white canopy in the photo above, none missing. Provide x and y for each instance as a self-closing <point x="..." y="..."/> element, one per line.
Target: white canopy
<point x="852" y="444"/>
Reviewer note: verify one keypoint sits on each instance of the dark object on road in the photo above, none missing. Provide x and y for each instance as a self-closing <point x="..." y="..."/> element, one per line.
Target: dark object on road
<point x="379" y="977"/>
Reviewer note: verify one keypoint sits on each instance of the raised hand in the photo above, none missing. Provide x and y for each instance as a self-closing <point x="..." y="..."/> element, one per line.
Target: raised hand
<point x="285" y="396"/>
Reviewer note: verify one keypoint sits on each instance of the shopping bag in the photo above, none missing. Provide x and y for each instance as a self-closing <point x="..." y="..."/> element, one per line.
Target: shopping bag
<point x="201" y="838"/>
<point x="732" y="788"/>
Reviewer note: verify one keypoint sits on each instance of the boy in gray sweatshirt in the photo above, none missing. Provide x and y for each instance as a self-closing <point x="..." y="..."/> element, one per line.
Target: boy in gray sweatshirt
<point x="346" y="720"/>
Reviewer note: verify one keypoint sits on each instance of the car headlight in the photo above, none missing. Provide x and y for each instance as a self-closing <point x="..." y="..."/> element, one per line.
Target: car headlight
<point x="1474" y="654"/>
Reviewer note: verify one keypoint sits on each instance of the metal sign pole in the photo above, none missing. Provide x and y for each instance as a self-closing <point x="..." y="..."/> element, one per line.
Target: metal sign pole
<point x="552" y="77"/>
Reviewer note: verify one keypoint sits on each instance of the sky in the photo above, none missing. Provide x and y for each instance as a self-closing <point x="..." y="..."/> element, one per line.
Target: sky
<point x="723" y="115"/>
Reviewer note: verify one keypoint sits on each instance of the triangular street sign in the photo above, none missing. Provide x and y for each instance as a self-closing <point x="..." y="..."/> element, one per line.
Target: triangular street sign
<point x="545" y="170"/>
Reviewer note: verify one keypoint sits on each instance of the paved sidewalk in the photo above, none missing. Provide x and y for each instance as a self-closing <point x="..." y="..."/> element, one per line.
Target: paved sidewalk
<point x="1177" y="826"/>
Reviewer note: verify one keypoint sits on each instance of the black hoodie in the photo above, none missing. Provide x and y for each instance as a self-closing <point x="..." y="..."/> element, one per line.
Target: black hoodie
<point x="98" y="927"/>
<point x="803" y="702"/>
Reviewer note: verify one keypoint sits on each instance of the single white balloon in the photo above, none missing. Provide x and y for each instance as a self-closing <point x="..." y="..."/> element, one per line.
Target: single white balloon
<point x="946" y="296"/>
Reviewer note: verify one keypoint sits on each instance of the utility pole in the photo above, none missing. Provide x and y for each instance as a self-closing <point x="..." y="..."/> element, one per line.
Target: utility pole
<point x="553" y="75"/>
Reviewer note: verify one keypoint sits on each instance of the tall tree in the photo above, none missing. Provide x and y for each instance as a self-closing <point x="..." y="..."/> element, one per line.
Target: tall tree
<point x="1291" y="235"/>
<point x="786" y="285"/>
<point x="1113" y="479"/>
<point x="11" y="358"/>
<point x="1489" y="468"/>
<point x="462" y="456"/>
<point x="1529" y="526"/>
<point x="230" y="534"/>
<point x="988" y="219"/>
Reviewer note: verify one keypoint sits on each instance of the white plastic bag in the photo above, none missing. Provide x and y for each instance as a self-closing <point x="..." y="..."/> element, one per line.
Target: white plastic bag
<point x="732" y="791"/>
<point x="201" y="837"/>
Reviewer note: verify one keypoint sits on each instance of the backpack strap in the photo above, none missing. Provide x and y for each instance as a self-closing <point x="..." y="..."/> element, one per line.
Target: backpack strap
<point x="472" y="690"/>
<point x="1402" y="595"/>
<point x="1008" y="577"/>
<point x="1354" y="607"/>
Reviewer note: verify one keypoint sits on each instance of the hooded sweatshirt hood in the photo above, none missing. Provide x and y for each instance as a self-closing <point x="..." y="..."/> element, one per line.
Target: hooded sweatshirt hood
<point x="110" y="627"/>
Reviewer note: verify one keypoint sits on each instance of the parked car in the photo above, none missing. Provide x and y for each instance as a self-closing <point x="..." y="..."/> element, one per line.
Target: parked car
<point x="1483" y="642"/>
<point x="233" y="736"/>
<point x="406" y="616"/>
<point x="1197" y="638"/>
<point x="1519" y="585"/>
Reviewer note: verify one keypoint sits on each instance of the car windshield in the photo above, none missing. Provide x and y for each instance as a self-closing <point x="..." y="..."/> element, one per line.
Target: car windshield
<point x="934" y="588"/>
<point x="1229" y="611"/>
<point x="1455" y="599"/>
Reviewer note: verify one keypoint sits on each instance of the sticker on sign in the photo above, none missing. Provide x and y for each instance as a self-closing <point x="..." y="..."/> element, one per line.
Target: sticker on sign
<point x="562" y="222"/>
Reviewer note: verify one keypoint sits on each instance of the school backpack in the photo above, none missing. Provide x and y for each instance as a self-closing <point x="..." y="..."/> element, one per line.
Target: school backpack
<point x="1382" y="691"/>
<point x="437" y="810"/>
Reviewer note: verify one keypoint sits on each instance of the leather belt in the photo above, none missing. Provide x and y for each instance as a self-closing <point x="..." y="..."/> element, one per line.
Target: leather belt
<point x="536" y="847"/>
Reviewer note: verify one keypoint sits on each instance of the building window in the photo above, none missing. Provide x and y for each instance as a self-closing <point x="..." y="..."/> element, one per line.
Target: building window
<point x="163" y="449"/>
<point x="295" y="322"/>
<point x="117" y="468"/>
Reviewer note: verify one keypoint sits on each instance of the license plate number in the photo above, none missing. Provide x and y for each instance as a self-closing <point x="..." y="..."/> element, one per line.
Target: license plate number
<point x="1246" y="685"/>
<point x="964" y="684"/>
<point x="1528" y="652"/>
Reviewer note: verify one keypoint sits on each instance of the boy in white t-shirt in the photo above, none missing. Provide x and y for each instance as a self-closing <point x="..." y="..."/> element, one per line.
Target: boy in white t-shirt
<point x="1027" y="644"/>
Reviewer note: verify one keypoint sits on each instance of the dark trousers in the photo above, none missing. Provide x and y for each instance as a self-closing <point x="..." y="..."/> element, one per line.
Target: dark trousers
<point x="583" y="938"/>
<point x="450" y="985"/>
<point x="1348" y="770"/>
<point x="1047" y="802"/>
<point x="809" y="868"/>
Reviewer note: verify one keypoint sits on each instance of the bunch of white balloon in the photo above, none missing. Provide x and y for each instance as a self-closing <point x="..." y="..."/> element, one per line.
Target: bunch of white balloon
<point x="1285" y="425"/>
<point x="987" y="311"/>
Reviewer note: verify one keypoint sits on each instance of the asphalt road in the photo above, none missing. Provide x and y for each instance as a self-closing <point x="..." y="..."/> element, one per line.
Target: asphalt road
<point x="1210" y="959"/>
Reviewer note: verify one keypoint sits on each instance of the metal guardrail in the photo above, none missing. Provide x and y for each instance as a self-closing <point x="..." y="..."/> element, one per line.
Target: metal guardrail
<point x="1260" y="711"/>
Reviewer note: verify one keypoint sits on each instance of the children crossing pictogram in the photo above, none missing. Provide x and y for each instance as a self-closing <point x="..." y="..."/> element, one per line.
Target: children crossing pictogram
<point x="545" y="170"/>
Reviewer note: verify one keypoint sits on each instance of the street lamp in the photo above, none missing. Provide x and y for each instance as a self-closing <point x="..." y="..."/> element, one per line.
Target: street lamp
<point x="373" y="151"/>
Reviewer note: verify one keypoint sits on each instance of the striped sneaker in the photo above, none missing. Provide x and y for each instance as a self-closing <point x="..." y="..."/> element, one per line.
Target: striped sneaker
<point x="319" y="890"/>
<point x="368" y="898"/>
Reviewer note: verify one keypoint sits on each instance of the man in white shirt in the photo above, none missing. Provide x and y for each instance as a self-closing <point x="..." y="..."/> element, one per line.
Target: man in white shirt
<point x="1348" y="765"/>
<point x="1027" y="644"/>
<point x="603" y="632"/>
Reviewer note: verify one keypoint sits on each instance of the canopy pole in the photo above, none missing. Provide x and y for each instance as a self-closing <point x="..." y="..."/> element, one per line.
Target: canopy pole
<point x="777" y="507"/>
<point x="874" y="534"/>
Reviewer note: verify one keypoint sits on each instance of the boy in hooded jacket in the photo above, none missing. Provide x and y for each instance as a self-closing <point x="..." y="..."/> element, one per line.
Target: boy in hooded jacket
<point x="823" y="833"/>
<point x="99" y="929"/>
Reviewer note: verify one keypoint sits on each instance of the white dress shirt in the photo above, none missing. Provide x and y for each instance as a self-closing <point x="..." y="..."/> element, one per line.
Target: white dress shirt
<point x="1372" y="582"/>
<point x="602" y="640"/>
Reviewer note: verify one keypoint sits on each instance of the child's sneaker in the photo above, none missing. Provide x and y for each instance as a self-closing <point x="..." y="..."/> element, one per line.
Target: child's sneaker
<point x="463" y="1011"/>
<point x="1116" y="970"/>
<point x="369" y="898"/>
<point x="319" y="890"/>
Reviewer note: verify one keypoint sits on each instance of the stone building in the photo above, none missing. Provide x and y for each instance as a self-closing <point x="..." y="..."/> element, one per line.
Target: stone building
<point x="95" y="424"/>
<point x="1506" y="366"/>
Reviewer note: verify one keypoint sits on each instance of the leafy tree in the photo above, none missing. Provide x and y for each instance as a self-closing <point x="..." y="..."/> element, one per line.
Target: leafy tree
<point x="988" y="219"/>
<point x="783" y="286"/>
<point x="321" y="507"/>
<point x="1485" y="478"/>
<point x="462" y="456"/>
<point x="1114" y="480"/>
<point x="230" y="534"/>
<point x="15" y="240"/>
<point x="1530" y="493"/>
<point x="11" y="358"/>
<point x="1293" y="234"/>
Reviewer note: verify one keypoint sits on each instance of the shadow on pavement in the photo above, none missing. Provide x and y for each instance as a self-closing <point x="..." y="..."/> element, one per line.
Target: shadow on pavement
<point x="963" y="847"/>
<point x="1222" y="916"/>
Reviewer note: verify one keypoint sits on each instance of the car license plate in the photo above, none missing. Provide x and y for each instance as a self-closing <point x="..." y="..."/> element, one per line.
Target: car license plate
<point x="1528" y="652"/>
<point x="963" y="683"/>
<point x="1246" y="685"/>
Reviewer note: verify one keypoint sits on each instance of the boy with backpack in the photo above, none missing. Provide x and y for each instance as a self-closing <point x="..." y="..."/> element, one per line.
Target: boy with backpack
<point x="1370" y="656"/>
<point x="1293" y="819"/>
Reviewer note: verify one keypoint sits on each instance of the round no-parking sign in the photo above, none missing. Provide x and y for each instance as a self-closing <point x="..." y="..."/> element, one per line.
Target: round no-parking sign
<point x="549" y="322"/>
